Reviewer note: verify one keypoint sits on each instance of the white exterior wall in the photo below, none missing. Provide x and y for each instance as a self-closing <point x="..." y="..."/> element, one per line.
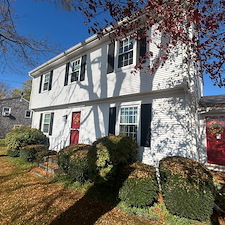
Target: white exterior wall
<point x="173" y="125"/>
<point x="170" y="134"/>
<point x="99" y="84"/>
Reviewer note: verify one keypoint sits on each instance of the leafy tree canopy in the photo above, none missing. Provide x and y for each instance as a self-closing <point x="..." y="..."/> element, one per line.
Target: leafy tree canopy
<point x="25" y="92"/>
<point x="175" y="19"/>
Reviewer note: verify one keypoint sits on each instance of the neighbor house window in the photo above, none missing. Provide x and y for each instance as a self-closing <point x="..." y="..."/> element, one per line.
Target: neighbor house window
<point x="46" y="124"/>
<point x="27" y="114"/>
<point x="75" y="70"/>
<point x="46" y="82"/>
<point x="129" y="121"/>
<point x="125" y="56"/>
<point x="6" y="111"/>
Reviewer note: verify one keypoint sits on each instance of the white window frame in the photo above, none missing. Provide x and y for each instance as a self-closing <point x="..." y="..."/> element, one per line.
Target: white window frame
<point x="46" y="123"/>
<point x="125" y="52"/>
<point x="46" y="81"/>
<point x="131" y="120"/>
<point x="74" y="70"/>
<point x="6" y="110"/>
<point x="29" y="115"/>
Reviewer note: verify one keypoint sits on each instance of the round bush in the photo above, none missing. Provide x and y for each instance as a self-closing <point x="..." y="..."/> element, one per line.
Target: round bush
<point x="187" y="188"/>
<point x="107" y="154"/>
<point x="29" y="152"/>
<point x="23" y="136"/>
<point x="141" y="187"/>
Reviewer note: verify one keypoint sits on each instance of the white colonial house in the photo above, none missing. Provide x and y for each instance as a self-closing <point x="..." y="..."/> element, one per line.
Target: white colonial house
<point x="89" y="91"/>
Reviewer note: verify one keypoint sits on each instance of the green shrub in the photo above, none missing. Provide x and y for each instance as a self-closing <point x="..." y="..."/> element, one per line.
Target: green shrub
<point x="187" y="188"/>
<point x="29" y="152"/>
<point x="2" y="143"/>
<point x="23" y="136"/>
<point x="67" y="154"/>
<point x="141" y="187"/>
<point x="78" y="169"/>
<point x="107" y="154"/>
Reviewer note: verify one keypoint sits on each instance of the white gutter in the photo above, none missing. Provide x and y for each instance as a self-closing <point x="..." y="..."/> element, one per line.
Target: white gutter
<point x="80" y="47"/>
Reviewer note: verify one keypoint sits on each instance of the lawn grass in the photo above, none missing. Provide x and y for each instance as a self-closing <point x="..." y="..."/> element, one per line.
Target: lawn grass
<point x="28" y="199"/>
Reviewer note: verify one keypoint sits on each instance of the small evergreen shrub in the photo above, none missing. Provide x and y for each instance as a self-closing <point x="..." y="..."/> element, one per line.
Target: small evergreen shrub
<point x="2" y="143"/>
<point x="107" y="154"/>
<point x="187" y="188"/>
<point x="29" y="152"/>
<point x="72" y="153"/>
<point x="140" y="188"/>
<point x="23" y="136"/>
<point x="78" y="169"/>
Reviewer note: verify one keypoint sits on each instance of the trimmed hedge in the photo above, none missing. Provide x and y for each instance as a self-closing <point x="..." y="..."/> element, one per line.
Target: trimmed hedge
<point x="2" y="143"/>
<point x="107" y="154"/>
<point x="29" y="152"/>
<point x="73" y="160"/>
<point x="23" y="136"/>
<point x="187" y="188"/>
<point x="141" y="187"/>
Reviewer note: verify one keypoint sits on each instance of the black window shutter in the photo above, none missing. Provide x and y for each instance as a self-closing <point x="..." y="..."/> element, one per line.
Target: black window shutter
<point x="50" y="81"/>
<point x="112" y="120"/>
<point x="40" y="85"/>
<point x="83" y="65"/>
<point x="146" y="111"/>
<point x="67" y="74"/>
<point x="40" y="122"/>
<point x="51" y="124"/>
<point x="141" y="46"/>
<point x="111" y="50"/>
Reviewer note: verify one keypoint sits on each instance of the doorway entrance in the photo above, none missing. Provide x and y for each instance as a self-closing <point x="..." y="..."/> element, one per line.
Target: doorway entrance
<point x="75" y="128"/>
<point x="215" y="134"/>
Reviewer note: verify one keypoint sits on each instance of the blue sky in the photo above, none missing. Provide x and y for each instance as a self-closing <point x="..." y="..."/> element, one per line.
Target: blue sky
<point x="43" y="20"/>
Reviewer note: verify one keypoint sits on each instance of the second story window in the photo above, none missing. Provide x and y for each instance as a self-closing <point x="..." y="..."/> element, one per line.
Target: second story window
<point x="75" y="70"/>
<point x="46" y="81"/>
<point x="125" y="54"/>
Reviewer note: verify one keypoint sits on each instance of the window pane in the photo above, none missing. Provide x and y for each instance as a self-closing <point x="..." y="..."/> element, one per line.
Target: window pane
<point x="45" y="128"/>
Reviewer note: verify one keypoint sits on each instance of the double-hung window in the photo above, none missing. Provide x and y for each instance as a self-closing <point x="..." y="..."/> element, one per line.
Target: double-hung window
<point x="6" y="111"/>
<point x="129" y="121"/>
<point x="28" y="114"/>
<point x="125" y="56"/>
<point x="46" y="124"/>
<point x="75" y="70"/>
<point x="46" y="82"/>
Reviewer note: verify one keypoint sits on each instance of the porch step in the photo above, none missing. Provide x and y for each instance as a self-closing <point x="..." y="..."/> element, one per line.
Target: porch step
<point x="40" y="172"/>
<point x="215" y="167"/>
<point x="51" y="159"/>
<point x="48" y="167"/>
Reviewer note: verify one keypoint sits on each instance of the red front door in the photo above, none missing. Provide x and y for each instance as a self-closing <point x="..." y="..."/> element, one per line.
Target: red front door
<point x="215" y="134"/>
<point x="75" y="128"/>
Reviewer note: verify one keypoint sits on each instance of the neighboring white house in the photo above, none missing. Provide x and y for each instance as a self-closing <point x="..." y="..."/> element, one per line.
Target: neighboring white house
<point x="89" y="91"/>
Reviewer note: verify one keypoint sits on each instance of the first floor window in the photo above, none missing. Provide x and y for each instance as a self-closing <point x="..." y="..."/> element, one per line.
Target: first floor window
<point x="75" y="70"/>
<point x="27" y="114"/>
<point x="129" y="121"/>
<point x="46" y="81"/>
<point x="46" y="124"/>
<point x="125" y="56"/>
